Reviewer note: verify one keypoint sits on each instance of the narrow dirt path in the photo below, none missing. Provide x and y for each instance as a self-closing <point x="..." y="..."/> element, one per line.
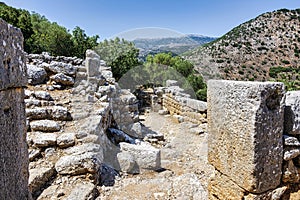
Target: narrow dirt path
<point x="184" y="162"/>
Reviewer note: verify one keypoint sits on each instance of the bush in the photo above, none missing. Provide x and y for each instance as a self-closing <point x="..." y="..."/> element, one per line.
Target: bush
<point x="120" y="55"/>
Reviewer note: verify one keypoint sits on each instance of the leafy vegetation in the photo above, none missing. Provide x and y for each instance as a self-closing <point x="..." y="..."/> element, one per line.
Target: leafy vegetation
<point x="119" y="54"/>
<point x="41" y="35"/>
<point x="185" y="68"/>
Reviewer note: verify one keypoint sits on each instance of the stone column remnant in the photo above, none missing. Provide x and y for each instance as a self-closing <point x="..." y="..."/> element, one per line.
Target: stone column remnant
<point x="245" y="125"/>
<point x="13" y="146"/>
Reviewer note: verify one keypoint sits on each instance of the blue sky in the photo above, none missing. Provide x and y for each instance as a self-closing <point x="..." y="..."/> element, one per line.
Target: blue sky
<point x="110" y="17"/>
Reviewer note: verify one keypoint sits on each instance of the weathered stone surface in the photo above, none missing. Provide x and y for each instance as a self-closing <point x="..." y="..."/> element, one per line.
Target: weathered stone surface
<point x="37" y="113"/>
<point x="80" y="149"/>
<point x="45" y="126"/>
<point x="62" y="79"/>
<point x="83" y="191"/>
<point x="245" y="125"/>
<point x="80" y="159"/>
<point x="42" y="95"/>
<point x="31" y="103"/>
<point x="59" y="113"/>
<point x="44" y="139"/>
<point x="33" y="153"/>
<point x="92" y="63"/>
<point x="66" y="140"/>
<point x="12" y="66"/>
<point x="36" y="75"/>
<point x="60" y="67"/>
<point x="200" y="106"/>
<point x="133" y="129"/>
<point x="289" y="154"/>
<point x="89" y="162"/>
<point x="127" y="163"/>
<point x="292" y="113"/>
<point x="222" y="187"/>
<point x="38" y="177"/>
<point x="145" y="155"/>
<point x="13" y="147"/>
<point x="290" y="141"/>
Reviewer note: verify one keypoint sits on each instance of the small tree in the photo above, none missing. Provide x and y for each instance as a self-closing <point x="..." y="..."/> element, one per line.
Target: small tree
<point x="120" y="55"/>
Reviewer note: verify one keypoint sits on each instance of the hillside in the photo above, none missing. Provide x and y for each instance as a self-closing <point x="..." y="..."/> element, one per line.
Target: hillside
<point x="264" y="48"/>
<point x="176" y="45"/>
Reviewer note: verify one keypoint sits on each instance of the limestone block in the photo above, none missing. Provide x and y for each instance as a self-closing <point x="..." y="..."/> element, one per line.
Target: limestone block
<point x="83" y="191"/>
<point x="38" y="177"/>
<point x="61" y="67"/>
<point x="127" y="163"/>
<point x="145" y="155"/>
<point x="290" y="141"/>
<point x="45" y="126"/>
<point x="200" y="106"/>
<point x="42" y="95"/>
<point x="88" y="162"/>
<point x="37" y="113"/>
<point x="292" y="113"/>
<point x="44" y="139"/>
<point x="245" y="126"/>
<point x="222" y="187"/>
<point x="62" y="79"/>
<point x="66" y="140"/>
<point x="59" y="113"/>
<point x="33" y="153"/>
<point x="291" y="153"/>
<point x="92" y="66"/>
<point x="36" y="75"/>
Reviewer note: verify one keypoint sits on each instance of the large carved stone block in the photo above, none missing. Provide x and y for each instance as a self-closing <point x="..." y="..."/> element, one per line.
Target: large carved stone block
<point x="13" y="147"/>
<point x="292" y="113"/>
<point x="12" y="65"/>
<point x="245" y="125"/>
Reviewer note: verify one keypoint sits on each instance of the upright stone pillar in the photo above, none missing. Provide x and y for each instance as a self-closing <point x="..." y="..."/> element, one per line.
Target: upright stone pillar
<point x="245" y="125"/>
<point x="13" y="146"/>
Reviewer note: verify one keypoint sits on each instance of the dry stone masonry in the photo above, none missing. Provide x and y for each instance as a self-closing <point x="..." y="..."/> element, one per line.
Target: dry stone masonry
<point x="13" y="148"/>
<point x="253" y="140"/>
<point x="70" y="106"/>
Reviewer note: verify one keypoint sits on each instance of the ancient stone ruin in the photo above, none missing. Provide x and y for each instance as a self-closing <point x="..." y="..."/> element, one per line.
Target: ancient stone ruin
<point x="253" y="140"/>
<point x="83" y="130"/>
<point x="13" y="148"/>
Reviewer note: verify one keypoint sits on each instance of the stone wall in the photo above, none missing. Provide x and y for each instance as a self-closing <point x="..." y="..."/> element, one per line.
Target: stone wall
<point x="13" y="148"/>
<point x="173" y="100"/>
<point x="253" y="142"/>
<point x="71" y="126"/>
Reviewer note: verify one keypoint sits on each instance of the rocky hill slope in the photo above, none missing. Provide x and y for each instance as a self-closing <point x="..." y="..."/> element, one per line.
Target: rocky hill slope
<point x="263" y="48"/>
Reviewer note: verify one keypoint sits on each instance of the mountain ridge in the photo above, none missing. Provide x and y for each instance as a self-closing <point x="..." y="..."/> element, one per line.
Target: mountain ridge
<point x="264" y="48"/>
<point x="175" y="45"/>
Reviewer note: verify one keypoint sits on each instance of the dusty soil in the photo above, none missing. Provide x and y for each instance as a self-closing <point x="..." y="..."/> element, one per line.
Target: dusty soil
<point x="185" y="170"/>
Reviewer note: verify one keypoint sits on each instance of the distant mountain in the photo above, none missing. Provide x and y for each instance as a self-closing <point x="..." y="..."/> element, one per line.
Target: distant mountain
<point x="264" y="48"/>
<point x="175" y="45"/>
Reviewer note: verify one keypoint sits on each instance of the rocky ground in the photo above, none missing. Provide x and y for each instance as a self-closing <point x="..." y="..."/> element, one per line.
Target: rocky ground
<point x="185" y="170"/>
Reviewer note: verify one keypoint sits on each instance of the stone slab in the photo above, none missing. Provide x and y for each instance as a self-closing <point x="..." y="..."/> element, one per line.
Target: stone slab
<point x="245" y="125"/>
